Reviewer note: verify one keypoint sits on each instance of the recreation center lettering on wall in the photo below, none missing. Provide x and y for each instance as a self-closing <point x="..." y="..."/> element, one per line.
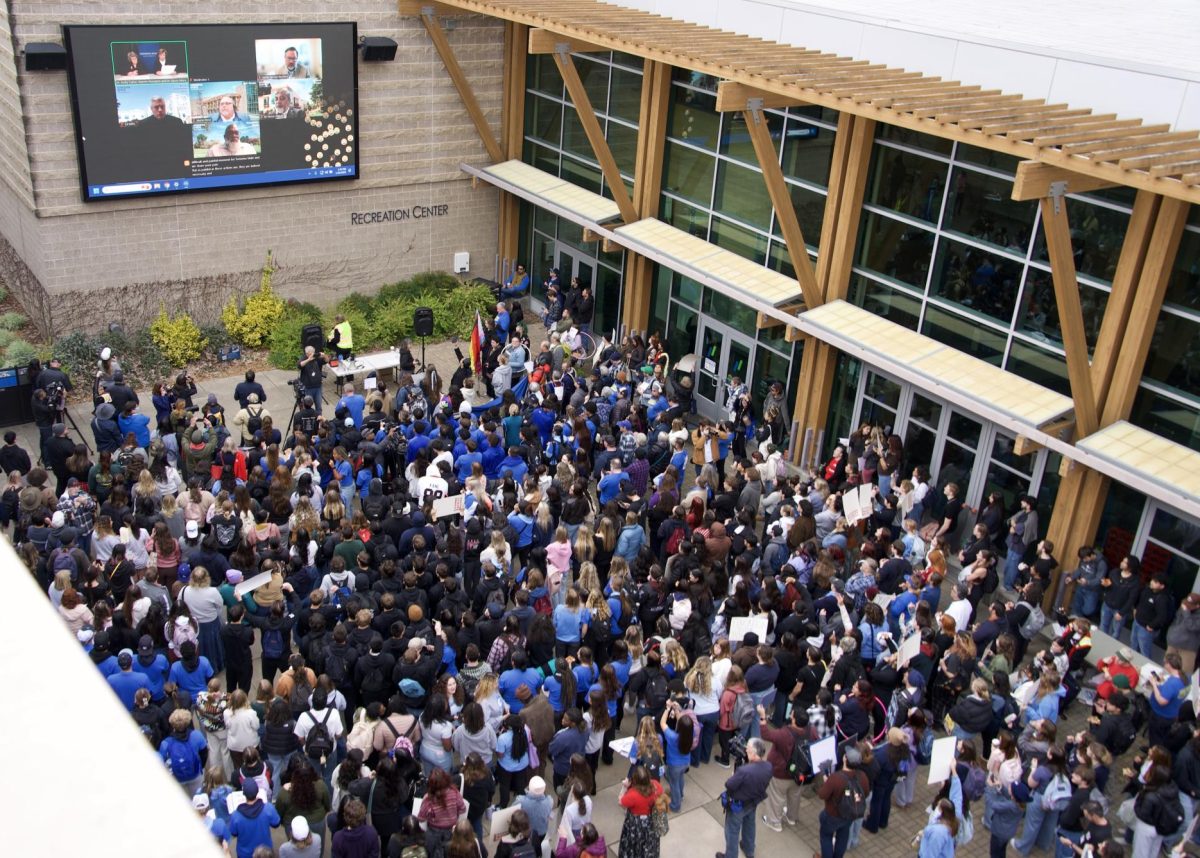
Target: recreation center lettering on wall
<point x="390" y="215"/>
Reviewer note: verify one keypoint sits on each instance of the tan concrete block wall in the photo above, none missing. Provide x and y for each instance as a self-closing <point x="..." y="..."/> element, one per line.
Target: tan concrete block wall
<point x="96" y="261"/>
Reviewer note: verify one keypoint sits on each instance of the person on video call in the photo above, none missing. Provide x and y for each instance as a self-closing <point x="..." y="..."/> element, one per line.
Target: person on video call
<point x="227" y="111"/>
<point x="160" y="66"/>
<point x="290" y="67"/>
<point x="133" y="67"/>
<point x="163" y="141"/>
<point x="233" y="144"/>
<point x="285" y="106"/>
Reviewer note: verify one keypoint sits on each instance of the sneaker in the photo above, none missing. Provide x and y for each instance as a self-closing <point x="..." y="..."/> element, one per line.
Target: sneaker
<point x="722" y="763"/>
<point x="774" y="826"/>
<point x="789" y="820"/>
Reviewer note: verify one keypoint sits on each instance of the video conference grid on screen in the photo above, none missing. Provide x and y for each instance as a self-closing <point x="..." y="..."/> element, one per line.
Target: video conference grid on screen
<point x="169" y="109"/>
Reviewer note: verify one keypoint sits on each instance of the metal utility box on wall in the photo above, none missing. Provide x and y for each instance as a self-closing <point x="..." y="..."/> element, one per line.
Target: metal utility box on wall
<point x="462" y="263"/>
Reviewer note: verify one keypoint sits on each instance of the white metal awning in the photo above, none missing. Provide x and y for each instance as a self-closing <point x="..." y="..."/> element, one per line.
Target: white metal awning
<point x="941" y="367"/>
<point x="742" y="278"/>
<point x="1172" y="466"/>
<point x="576" y="204"/>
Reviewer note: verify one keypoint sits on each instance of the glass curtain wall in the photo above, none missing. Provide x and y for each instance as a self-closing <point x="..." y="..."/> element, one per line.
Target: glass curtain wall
<point x="944" y="250"/>
<point x="555" y="142"/>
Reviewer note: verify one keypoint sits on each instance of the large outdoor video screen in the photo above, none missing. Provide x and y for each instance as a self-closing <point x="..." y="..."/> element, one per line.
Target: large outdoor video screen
<point x="174" y="109"/>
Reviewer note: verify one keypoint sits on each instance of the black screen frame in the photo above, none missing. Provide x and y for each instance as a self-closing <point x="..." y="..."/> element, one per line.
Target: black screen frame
<point x="356" y="45"/>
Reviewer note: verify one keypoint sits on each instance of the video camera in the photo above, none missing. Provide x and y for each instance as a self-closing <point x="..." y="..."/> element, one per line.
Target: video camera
<point x="56" y="396"/>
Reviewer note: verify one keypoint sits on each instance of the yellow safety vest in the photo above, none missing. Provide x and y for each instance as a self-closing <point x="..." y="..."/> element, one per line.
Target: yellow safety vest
<point x="345" y="337"/>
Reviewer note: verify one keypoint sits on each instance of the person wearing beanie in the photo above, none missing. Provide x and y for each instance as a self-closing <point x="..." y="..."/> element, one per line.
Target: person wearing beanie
<point x="537" y="806"/>
<point x="302" y="842"/>
<point x="251" y="822"/>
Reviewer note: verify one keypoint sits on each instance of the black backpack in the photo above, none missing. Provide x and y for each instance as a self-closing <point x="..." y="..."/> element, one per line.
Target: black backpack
<point x="336" y="667"/>
<point x="301" y="693"/>
<point x="600" y="631"/>
<point x="374" y="680"/>
<point x="253" y="420"/>
<point x="319" y="744"/>
<point x="1170" y="815"/>
<point x="799" y="764"/>
<point x="852" y="803"/>
<point x="657" y="692"/>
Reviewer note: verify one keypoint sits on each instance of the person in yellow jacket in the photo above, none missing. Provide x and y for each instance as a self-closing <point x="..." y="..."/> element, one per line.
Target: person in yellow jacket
<point x="341" y="338"/>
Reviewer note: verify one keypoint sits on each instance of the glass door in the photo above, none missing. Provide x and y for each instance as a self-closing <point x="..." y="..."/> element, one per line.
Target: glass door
<point x="722" y="355"/>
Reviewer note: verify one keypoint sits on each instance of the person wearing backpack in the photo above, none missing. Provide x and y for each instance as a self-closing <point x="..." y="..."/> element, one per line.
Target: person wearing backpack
<point x="791" y="767"/>
<point x="1158" y="813"/>
<point x="895" y="761"/>
<point x="296" y="684"/>
<point x="185" y="751"/>
<point x="731" y="714"/>
<point x="250" y="419"/>
<point x="1049" y="791"/>
<point x="318" y="730"/>
<point x="1025" y="617"/>
<point x="845" y="795"/>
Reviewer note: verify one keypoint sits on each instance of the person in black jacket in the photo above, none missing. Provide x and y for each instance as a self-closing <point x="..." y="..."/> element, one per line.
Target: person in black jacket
<point x="12" y="457"/>
<point x="1120" y="596"/>
<point x="1152" y="615"/>
<point x="373" y="672"/>
<point x="105" y="430"/>
<point x="973" y="713"/>
<point x="1112" y="725"/>
<point x="238" y="637"/>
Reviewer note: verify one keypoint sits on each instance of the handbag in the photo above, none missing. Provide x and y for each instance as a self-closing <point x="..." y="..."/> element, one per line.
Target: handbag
<point x="658" y="821"/>
<point x="966" y="831"/>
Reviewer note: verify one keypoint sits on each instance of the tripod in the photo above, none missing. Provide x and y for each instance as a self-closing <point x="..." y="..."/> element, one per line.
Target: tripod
<point x="296" y="405"/>
<point x="64" y="416"/>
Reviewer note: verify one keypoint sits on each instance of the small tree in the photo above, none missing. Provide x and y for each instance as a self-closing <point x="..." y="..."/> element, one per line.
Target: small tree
<point x="251" y="325"/>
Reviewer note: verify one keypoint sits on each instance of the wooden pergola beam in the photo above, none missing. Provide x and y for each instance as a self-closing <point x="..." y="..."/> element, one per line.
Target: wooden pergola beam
<point x="545" y="42"/>
<point x="781" y="199"/>
<point x="1024" y="446"/>
<point x="595" y="134"/>
<point x="1034" y="181"/>
<point x="440" y="43"/>
<point x="416" y="8"/>
<point x="764" y="321"/>
<point x="737" y="96"/>
<point x="1070" y="314"/>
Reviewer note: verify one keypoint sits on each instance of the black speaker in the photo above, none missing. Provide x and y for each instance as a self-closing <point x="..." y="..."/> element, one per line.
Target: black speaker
<point x="423" y="322"/>
<point x="378" y="49"/>
<point x="311" y="335"/>
<point x="45" y="56"/>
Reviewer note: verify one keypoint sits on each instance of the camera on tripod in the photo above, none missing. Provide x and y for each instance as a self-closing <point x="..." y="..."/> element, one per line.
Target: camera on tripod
<point x="297" y="388"/>
<point x="56" y="396"/>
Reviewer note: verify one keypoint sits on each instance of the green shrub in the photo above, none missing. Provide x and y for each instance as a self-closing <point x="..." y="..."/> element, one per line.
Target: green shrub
<point x="178" y="338"/>
<point x="19" y="353"/>
<point x="6" y="338"/>
<point x="12" y="321"/>
<point x="252" y="323"/>
<point x="284" y="342"/>
<point x="3" y="293"/>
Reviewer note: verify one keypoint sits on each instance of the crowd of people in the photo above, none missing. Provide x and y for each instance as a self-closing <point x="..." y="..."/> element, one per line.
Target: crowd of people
<point x="457" y="609"/>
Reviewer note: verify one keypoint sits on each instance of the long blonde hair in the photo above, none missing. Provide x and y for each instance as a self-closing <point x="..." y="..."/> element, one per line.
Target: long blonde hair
<point x="647" y="738"/>
<point x="598" y="605"/>
<point x="584" y="548"/>
<point x="699" y="679"/>
<point x="674" y="654"/>
<point x="488" y="685"/>
<point x="589" y="579"/>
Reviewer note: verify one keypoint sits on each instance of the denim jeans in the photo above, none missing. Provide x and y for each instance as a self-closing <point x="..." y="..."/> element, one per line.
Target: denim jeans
<point x="1108" y="622"/>
<point x="315" y="393"/>
<point x="675" y="778"/>
<point x="740" y="825"/>
<point x="835" y="835"/>
<point x="1040" y="827"/>
<point x="1061" y="851"/>
<point x="1011" y="561"/>
<point x="708" y="731"/>
<point x="1084" y="603"/>
<point x="1142" y="639"/>
<point x="765" y="699"/>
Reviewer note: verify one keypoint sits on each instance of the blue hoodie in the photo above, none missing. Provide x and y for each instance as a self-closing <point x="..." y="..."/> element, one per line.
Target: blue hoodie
<point x="251" y="824"/>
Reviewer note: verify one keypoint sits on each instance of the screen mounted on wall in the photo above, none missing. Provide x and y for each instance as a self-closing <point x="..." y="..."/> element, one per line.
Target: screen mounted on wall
<point x="175" y="109"/>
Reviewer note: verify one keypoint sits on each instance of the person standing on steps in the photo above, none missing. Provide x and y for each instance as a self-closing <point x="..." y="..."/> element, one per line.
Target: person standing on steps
<point x="744" y="791"/>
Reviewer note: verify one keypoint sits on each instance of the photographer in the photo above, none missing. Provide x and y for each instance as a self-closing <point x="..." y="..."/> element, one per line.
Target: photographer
<point x="311" y="368"/>
<point x="185" y="388"/>
<point x="44" y="416"/>
<point x="51" y="375"/>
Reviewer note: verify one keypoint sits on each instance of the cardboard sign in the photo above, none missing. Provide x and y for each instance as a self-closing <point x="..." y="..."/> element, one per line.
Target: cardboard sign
<point x="446" y="507"/>
<point x="824" y="751"/>
<point x="910" y="648"/>
<point x="941" y="761"/>
<point x="738" y="627"/>
<point x="262" y="579"/>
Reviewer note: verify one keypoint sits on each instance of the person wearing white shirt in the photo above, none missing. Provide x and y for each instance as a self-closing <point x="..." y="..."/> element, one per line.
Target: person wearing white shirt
<point x="959" y="609"/>
<point x="721" y="664"/>
<point x="322" y="711"/>
<point x="431" y="487"/>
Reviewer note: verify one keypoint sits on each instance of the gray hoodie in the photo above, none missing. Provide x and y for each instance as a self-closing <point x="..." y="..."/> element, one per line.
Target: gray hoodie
<point x="1184" y="632"/>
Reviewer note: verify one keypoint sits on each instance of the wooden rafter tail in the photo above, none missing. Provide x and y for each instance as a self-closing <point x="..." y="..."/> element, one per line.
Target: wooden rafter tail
<point x="1026" y="121"/>
<point x="982" y="118"/>
<point x="908" y="94"/>
<point x="950" y="104"/>
<point x="1162" y="171"/>
<point x="1149" y="148"/>
<point x="948" y="99"/>
<point x="1114" y="149"/>
<point x="1145" y="162"/>
<point x="1108" y="131"/>
<point x="1034" y="129"/>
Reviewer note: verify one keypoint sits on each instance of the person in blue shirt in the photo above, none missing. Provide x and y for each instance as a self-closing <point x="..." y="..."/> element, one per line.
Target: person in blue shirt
<point x="560" y="687"/>
<point x="610" y="484"/>
<point x="521" y="521"/>
<point x="153" y="665"/>
<point x="139" y="424"/>
<point x="903" y="606"/>
<point x="570" y="624"/>
<point x="344" y="473"/>
<point x="570" y="740"/>
<point x="185" y="751"/>
<point x="677" y="749"/>
<point x="192" y="672"/>
<point x="502" y="322"/>
<point x="252" y="821"/>
<point x="679" y="456"/>
<point x="514" y="464"/>
<point x="1166" y="698"/>
<point x="937" y="840"/>
<point x="126" y="682"/>
<point x="517" y="285"/>
<point x="657" y="407"/>
<point x="463" y="464"/>
<point x="353" y="403"/>
<point x="520" y="674"/>
<point x="512" y="755"/>
<point x="543" y="418"/>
